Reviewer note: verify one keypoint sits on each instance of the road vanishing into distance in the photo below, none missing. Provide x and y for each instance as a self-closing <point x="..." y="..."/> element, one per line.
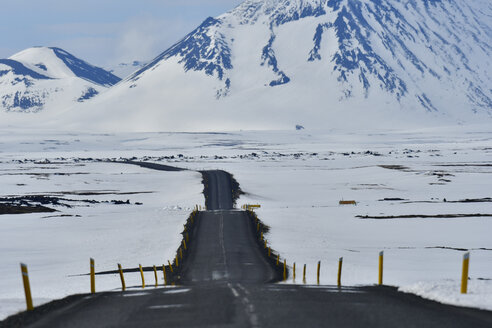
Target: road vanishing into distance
<point x="227" y="281"/>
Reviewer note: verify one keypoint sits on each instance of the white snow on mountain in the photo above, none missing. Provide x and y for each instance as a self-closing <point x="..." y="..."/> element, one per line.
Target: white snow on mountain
<point x="41" y="77"/>
<point x="321" y="63"/>
<point x="123" y="70"/>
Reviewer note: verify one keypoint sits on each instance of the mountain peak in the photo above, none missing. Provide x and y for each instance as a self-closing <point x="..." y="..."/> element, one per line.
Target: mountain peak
<point x="338" y="58"/>
<point x="38" y="76"/>
<point x="58" y="63"/>
<point x="277" y="63"/>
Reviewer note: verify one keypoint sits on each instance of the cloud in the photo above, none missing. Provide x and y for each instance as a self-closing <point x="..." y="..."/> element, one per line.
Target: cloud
<point x="140" y="38"/>
<point x="145" y="37"/>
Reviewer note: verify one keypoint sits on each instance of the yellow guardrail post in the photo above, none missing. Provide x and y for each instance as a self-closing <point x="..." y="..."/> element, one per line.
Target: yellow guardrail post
<point x="339" y="279"/>
<point x="142" y="275"/>
<point x="123" y="286"/>
<point x="170" y="266"/>
<point x="27" y="287"/>
<point x="464" y="274"/>
<point x="285" y="269"/>
<point x="294" y="272"/>
<point x="318" y="271"/>
<point x="304" y="274"/>
<point x="155" y="274"/>
<point x="177" y="263"/>
<point x="381" y="258"/>
<point x="93" y="276"/>
<point x="278" y="258"/>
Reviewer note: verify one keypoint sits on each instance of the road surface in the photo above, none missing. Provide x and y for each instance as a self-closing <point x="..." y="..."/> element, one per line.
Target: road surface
<point x="227" y="283"/>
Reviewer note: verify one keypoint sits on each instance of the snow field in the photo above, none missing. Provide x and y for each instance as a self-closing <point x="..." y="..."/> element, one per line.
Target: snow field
<point x="297" y="177"/>
<point x="57" y="249"/>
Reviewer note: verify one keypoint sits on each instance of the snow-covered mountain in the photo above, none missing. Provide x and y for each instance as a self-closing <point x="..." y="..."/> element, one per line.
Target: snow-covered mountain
<point x="123" y="70"/>
<point x="41" y="77"/>
<point x="276" y="63"/>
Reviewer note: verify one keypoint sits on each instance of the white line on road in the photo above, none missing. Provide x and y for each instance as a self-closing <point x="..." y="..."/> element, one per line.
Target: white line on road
<point x="234" y="292"/>
<point x="221" y="240"/>
<point x="134" y="294"/>
<point x="250" y="309"/>
<point x="167" y="306"/>
<point x="177" y="291"/>
<point x="243" y="289"/>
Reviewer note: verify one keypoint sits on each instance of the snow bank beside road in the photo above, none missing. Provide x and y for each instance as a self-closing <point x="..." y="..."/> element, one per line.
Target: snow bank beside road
<point x="57" y="248"/>
<point x="445" y="291"/>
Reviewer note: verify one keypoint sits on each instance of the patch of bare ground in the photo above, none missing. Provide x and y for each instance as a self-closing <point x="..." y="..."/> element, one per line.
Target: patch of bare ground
<point x="395" y="167"/>
<point x="24" y="209"/>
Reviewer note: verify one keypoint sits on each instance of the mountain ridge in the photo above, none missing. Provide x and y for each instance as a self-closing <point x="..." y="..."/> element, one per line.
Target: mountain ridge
<point x="39" y="76"/>
<point x="319" y="63"/>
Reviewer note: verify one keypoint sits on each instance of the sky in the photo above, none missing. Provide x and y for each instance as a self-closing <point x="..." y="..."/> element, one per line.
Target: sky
<point x="103" y="32"/>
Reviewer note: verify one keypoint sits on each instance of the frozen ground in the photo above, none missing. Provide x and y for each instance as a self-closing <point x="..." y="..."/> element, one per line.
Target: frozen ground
<point x="57" y="246"/>
<point x="297" y="176"/>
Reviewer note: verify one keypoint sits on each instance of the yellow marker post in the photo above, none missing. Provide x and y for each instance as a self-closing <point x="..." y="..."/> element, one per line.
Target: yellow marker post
<point x="339" y="280"/>
<point x="170" y="266"/>
<point x="142" y="275"/>
<point x="317" y="274"/>
<point x="27" y="287"/>
<point x="278" y="259"/>
<point x="258" y="227"/>
<point x="164" y="273"/>
<point x="269" y="251"/>
<point x="123" y="286"/>
<point x="155" y="275"/>
<point x="181" y="254"/>
<point x="464" y="275"/>
<point x="265" y="244"/>
<point x="261" y="236"/>
<point x="285" y="269"/>
<point x="381" y="258"/>
<point x="177" y="263"/>
<point x="93" y="276"/>
<point x="304" y="274"/>
<point x="188" y="237"/>
<point x="184" y="244"/>
<point x="294" y="271"/>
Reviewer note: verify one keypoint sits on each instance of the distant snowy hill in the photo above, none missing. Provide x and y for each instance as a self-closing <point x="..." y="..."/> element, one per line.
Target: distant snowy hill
<point x="41" y="77"/>
<point x="123" y="70"/>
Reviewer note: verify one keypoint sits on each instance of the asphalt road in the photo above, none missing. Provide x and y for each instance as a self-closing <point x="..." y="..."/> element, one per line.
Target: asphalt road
<point x="218" y="190"/>
<point x="226" y="283"/>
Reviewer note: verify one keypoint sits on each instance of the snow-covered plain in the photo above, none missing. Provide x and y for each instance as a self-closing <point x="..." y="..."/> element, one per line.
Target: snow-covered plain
<point x="57" y="246"/>
<point x="297" y="176"/>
